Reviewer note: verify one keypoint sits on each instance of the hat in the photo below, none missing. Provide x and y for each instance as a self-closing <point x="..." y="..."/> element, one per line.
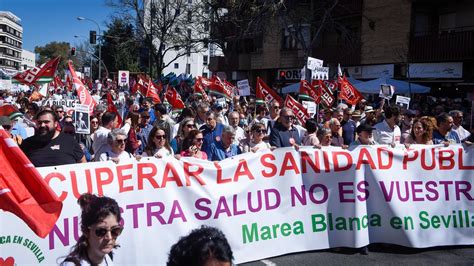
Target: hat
<point x="14" y="115"/>
<point x="356" y="113"/>
<point x="4" y="120"/>
<point x="364" y="127"/>
<point x="369" y="109"/>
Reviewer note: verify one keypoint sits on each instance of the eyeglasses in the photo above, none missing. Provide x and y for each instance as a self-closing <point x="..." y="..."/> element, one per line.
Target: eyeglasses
<point x="190" y="125"/>
<point x="94" y="122"/>
<point x="160" y="136"/>
<point x="114" y="231"/>
<point x="120" y="141"/>
<point x="199" y="139"/>
<point x="289" y="117"/>
<point x="59" y="111"/>
<point x="259" y="131"/>
<point x="276" y="107"/>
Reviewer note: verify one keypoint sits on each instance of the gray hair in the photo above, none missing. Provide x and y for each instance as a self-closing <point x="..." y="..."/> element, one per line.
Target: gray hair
<point x="234" y="112"/>
<point x="112" y="136"/>
<point x="228" y="129"/>
<point x="333" y="121"/>
<point x="285" y="110"/>
<point x="323" y="131"/>
<point x="454" y="113"/>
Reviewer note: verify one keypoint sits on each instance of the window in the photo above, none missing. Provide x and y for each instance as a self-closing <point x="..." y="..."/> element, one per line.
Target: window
<point x="176" y="65"/>
<point x="204" y="74"/>
<point x="188" y="68"/>
<point x="205" y="60"/>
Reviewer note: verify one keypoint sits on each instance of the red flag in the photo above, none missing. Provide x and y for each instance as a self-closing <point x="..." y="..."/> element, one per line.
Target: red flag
<point x="69" y="84"/>
<point x="31" y="76"/>
<point x="297" y="108"/>
<point x="220" y="88"/>
<point x="326" y="95"/>
<point x="173" y="98"/>
<point x="152" y="92"/>
<point x="140" y="85"/>
<point x="23" y="190"/>
<point x="57" y="82"/>
<point x="265" y="94"/>
<point x="348" y="92"/>
<point x="310" y="90"/>
<point x="112" y="109"/>
<point x="199" y="88"/>
<point x="84" y="95"/>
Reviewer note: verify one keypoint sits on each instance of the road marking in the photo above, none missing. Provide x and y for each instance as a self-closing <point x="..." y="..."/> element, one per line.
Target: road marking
<point x="268" y="262"/>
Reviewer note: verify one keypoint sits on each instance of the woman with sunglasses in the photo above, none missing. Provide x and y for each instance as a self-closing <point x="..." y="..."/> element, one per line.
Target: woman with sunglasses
<point x="185" y="126"/>
<point x="100" y="227"/>
<point x="257" y="133"/>
<point x="192" y="145"/>
<point x="157" y="144"/>
<point x="117" y="138"/>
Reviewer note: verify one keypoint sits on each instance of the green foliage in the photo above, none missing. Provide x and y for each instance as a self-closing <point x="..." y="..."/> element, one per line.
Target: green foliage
<point x="53" y="50"/>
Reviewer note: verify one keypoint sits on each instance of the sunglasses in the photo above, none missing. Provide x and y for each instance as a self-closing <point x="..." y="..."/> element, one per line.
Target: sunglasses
<point x="276" y="107"/>
<point x="160" y="136"/>
<point x="59" y="111"/>
<point x="120" y="141"/>
<point x="94" y="122"/>
<point x="260" y="131"/>
<point x="289" y="117"/>
<point x="190" y="125"/>
<point x="7" y="127"/>
<point x="114" y="231"/>
<point x="199" y="139"/>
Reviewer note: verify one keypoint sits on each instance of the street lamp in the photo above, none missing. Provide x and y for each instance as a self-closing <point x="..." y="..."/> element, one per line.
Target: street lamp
<point x="77" y="36"/>
<point x="99" y="41"/>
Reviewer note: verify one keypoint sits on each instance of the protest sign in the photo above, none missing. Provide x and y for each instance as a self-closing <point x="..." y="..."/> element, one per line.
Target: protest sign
<point x="267" y="203"/>
<point x="244" y="87"/>
<point x="123" y="78"/>
<point x="386" y="91"/>
<point x="81" y="119"/>
<point x="320" y="73"/>
<point x="403" y="102"/>
<point x="67" y="104"/>
<point x="310" y="107"/>
<point x="314" y="63"/>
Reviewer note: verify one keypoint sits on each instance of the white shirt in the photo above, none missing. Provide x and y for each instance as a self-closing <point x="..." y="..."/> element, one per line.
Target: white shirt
<point x="100" y="144"/>
<point x="122" y="157"/>
<point x="383" y="134"/>
<point x="107" y="261"/>
<point x="462" y="133"/>
<point x="239" y="136"/>
<point x="164" y="152"/>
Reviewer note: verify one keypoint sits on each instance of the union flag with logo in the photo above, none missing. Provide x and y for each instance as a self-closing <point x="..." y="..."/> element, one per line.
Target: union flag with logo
<point x="309" y="92"/>
<point x="84" y="95"/>
<point x="298" y="109"/>
<point x="265" y="94"/>
<point x="327" y="98"/>
<point x="348" y="92"/>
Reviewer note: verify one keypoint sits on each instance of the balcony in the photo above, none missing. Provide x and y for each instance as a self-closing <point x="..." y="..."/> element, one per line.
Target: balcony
<point x="451" y="45"/>
<point x="344" y="54"/>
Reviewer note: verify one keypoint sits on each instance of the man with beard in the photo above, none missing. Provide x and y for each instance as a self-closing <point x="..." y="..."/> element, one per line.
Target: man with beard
<point x="445" y="133"/>
<point x="49" y="147"/>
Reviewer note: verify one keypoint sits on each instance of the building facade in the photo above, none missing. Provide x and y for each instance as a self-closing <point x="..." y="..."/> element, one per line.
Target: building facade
<point x="28" y="60"/>
<point x="11" y="41"/>
<point x="424" y="41"/>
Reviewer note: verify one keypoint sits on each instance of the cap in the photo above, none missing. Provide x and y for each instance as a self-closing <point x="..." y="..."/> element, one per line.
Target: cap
<point x="369" y="109"/>
<point x="14" y="115"/>
<point x="4" y="120"/>
<point x="364" y="127"/>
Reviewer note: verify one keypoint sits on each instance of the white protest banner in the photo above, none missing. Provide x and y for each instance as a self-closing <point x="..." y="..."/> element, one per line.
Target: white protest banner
<point x="403" y="101"/>
<point x="314" y="63"/>
<point x="267" y="203"/>
<point x="310" y="107"/>
<point x="244" y="87"/>
<point x="81" y="118"/>
<point x="67" y="104"/>
<point x="123" y="77"/>
<point x="320" y="73"/>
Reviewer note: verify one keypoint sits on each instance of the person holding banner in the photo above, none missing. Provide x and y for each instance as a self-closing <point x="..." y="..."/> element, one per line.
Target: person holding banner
<point x="284" y="134"/>
<point x="202" y="247"/>
<point x="100" y="227"/>
<point x="157" y="144"/>
<point x="100" y="138"/>
<point x="186" y="126"/>
<point x="311" y="138"/>
<point x="421" y="133"/>
<point x="258" y="133"/>
<point x="192" y="145"/>
<point x="224" y="148"/>
<point x="117" y="140"/>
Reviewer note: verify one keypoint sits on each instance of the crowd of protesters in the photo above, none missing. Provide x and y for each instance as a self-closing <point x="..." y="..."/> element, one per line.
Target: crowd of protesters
<point x="220" y="129"/>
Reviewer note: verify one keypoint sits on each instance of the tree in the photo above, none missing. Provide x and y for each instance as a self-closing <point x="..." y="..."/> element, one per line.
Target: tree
<point x="54" y="49"/>
<point x="120" y="47"/>
<point x="165" y="26"/>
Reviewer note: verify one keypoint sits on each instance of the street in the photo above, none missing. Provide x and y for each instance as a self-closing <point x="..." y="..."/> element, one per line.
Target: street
<point x="390" y="255"/>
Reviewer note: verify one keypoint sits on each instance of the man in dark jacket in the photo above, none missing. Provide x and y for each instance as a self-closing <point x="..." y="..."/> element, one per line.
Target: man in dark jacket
<point x="284" y="134"/>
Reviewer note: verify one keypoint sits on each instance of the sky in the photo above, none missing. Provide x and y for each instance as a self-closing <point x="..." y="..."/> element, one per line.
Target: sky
<point x="45" y="21"/>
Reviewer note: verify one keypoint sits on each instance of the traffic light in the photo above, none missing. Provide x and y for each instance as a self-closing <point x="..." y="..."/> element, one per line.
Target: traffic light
<point x="73" y="51"/>
<point x="92" y="37"/>
<point x="282" y="74"/>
